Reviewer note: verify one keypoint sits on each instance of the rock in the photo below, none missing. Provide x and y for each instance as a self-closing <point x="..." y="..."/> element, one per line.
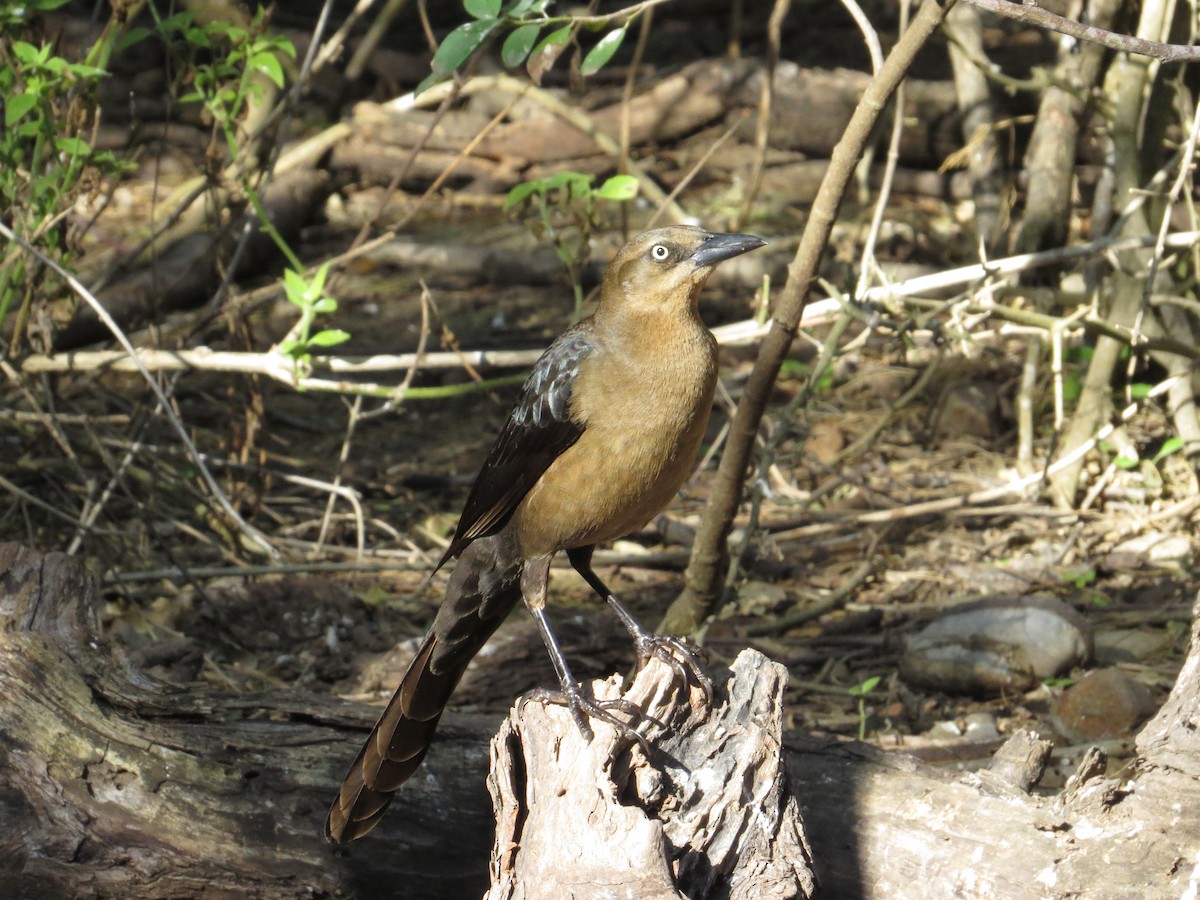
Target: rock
<point x="978" y="728"/>
<point x="1106" y="703"/>
<point x="997" y="644"/>
<point x="825" y="441"/>
<point x="756" y="598"/>
<point x="967" y="409"/>
<point x="1130" y="645"/>
<point x="1152" y="550"/>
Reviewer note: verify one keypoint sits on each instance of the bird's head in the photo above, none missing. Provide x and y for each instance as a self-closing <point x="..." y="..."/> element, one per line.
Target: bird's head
<point x="663" y="270"/>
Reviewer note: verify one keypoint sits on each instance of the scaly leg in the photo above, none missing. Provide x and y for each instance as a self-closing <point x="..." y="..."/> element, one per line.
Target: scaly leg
<point x="534" y="580"/>
<point x="677" y="653"/>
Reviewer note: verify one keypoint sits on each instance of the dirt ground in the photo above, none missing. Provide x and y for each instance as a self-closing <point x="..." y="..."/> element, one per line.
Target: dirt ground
<point x="339" y="617"/>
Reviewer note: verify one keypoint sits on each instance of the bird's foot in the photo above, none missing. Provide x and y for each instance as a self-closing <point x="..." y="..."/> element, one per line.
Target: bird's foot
<point x="584" y="708"/>
<point x="684" y="657"/>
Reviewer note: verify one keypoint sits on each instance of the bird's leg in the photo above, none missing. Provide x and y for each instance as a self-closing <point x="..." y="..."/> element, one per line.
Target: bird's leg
<point x="677" y="653"/>
<point x="534" y="581"/>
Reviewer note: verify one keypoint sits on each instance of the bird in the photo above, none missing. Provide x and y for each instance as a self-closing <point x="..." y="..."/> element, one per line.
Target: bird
<point x="605" y="431"/>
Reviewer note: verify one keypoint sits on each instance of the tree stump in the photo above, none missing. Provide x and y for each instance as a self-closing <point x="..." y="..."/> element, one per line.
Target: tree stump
<point x="706" y="814"/>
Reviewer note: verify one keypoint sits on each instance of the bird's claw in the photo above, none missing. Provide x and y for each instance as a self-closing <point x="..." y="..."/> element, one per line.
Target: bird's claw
<point x="682" y="656"/>
<point x="583" y="708"/>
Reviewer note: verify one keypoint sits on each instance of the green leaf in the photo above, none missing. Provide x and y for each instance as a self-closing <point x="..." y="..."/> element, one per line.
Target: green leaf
<point x="133" y="36"/>
<point x="324" y="306"/>
<point x="518" y="44"/>
<point x="268" y="64"/>
<point x="25" y="52"/>
<point x="519" y="193"/>
<point x="295" y="286"/>
<point x="1170" y="446"/>
<point x="575" y="183"/>
<point x="319" y="278"/>
<point x="297" y="350"/>
<point x="79" y="70"/>
<point x="330" y="337"/>
<point x="519" y="8"/>
<point x="1126" y="462"/>
<point x="427" y="82"/>
<point x="619" y="187"/>
<point x="179" y="21"/>
<point x="599" y="55"/>
<point x="558" y="37"/>
<point x="280" y="46"/>
<point x="17" y="107"/>
<point x="482" y="9"/>
<point x="73" y="146"/>
<point x="459" y="44"/>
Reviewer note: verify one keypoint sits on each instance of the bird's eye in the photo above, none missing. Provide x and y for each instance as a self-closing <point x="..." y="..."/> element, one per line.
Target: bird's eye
<point x="659" y="252"/>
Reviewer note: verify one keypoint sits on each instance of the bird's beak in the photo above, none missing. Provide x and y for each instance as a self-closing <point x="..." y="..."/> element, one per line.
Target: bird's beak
<point x="720" y="247"/>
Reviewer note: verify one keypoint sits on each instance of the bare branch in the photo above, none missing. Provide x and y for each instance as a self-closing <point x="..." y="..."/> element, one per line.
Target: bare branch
<point x="1035" y="15"/>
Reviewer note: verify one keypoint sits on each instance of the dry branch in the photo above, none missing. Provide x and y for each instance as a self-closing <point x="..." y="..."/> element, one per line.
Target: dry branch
<point x="184" y="275"/>
<point x="706" y="569"/>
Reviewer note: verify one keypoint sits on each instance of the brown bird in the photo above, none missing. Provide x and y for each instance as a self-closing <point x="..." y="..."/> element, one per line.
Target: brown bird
<point x="606" y="431"/>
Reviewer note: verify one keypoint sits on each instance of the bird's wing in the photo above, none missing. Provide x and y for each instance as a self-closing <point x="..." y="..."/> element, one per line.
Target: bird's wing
<point x="538" y="431"/>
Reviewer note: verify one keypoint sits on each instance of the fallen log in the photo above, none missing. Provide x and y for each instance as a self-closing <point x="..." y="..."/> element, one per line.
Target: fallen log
<point x="114" y="783"/>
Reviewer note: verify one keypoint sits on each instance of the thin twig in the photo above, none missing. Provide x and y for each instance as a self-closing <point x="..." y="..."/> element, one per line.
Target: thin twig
<point x="828" y="603"/>
<point x="548" y="100"/>
<point x="1035" y="15"/>
<point x="870" y="264"/>
<point x="946" y="505"/>
<point x="705" y="570"/>
<point x="253" y="534"/>
<point x="694" y="171"/>
<point x="766" y="100"/>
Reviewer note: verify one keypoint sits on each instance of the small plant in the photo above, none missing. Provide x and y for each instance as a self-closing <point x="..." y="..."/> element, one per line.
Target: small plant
<point x="226" y="84"/>
<point x="309" y="296"/>
<point x="1059" y="682"/>
<point x="860" y="692"/>
<point x="45" y="158"/>
<point x="1170" y="447"/>
<point x="224" y="81"/>
<point x="524" y="20"/>
<point x="1080" y="580"/>
<point x="569" y="197"/>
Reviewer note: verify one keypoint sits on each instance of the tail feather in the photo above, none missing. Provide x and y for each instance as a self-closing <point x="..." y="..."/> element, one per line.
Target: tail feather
<point x="483" y="589"/>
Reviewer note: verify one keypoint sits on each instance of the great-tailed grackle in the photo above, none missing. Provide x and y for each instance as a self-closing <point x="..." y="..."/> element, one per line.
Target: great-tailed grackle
<point x="605" y="432"/>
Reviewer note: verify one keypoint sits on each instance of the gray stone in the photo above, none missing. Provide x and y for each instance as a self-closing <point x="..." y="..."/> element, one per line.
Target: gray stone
<point x="996" y="644"/>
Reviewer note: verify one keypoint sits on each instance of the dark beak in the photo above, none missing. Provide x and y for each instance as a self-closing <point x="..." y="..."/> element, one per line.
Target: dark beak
<point x="720" y="247"/>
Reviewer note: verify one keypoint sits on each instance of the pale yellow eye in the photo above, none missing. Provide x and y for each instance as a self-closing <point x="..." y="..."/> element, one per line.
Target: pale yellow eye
<point x="659" y="252"/>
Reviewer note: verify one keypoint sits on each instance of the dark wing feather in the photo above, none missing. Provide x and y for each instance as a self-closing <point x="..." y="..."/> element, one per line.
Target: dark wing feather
<point x="539" y="430"/>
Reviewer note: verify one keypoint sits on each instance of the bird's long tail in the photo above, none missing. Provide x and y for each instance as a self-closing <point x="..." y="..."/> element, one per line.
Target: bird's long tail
<point x="484" y="587"/>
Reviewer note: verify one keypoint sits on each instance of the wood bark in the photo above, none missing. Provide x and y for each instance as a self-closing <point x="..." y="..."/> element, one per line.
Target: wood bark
<point x="811" y="110"/>
<point x="113" y="784"/>
<point x="116" y="785"/>
<point x="1054" y="143"/>
<point x="706" y="813"/>
<point x="186" y="273"/>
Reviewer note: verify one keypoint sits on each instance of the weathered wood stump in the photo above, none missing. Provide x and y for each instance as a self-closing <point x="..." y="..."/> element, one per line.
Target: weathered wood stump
<point x="707" y="814"/>
<point x="114" y="784"/>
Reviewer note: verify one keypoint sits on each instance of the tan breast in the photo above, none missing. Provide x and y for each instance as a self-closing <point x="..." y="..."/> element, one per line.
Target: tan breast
<point x="645" y="409"/>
